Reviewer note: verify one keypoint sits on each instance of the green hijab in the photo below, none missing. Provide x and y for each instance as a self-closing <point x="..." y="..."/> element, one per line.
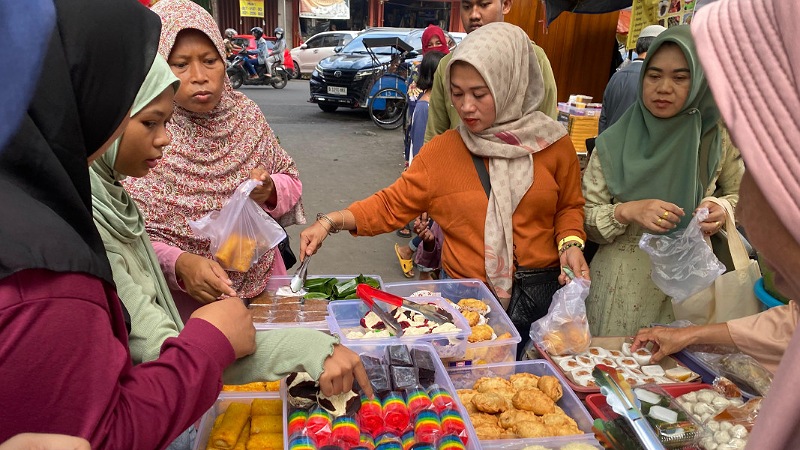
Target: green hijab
<point x="672" y="159"/>
<point x="113" y="209"/>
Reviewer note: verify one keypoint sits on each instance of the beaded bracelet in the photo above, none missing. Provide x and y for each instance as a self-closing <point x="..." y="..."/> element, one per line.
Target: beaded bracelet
<point x="332" y="229"/>
<point x="568" y="245"/>
<point x="569" y="239"/>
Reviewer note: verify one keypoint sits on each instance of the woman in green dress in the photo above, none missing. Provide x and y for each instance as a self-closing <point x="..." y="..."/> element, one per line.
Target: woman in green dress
<point x="649" y="173"/>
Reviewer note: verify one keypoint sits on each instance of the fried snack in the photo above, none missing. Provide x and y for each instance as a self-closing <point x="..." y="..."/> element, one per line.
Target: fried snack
<point x="214" y="428"/>
<point x="472" y="317"/>
<point x="533" y="400"/>
<point x="481" y="419"/>
<point x="512" y="416"/>
<point x="485" y="384"/>
<point x="267" y="407"/>
<point x="561" y="425"/>
<point x="531" y="429"/>
<point x="489" y="432"/>
<point x="524" y="381"/>
<point x="472" y="304"/>
<point x="241" y="443"/>
<point x="265" y="441"/>
<point x="505" y="335"/>
<point x="266" y="424"/>
<point x="489" y="402"/>
<point x="256" y="386"/>
<point x="236" y="416"/>
<point x="481" y="333"/>
<point x="551" y="387"/>
<point x="236" y="253"/>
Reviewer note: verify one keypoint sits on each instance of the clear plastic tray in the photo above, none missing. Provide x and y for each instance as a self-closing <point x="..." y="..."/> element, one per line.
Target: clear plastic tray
<point x="269" y="307"/>
<point x="486" y="352"/>
<point x="225" y="399"/>
<point x="441" y="379"/>
<point x="465" y="377"/>
<point x="345" y="316"/>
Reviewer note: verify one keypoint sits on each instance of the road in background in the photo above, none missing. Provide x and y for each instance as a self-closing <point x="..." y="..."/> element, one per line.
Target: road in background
<point x="342" y="157"/>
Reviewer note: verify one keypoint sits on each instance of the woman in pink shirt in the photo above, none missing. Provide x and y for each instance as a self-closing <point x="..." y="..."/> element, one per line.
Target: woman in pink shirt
<point x="219" y="139"/>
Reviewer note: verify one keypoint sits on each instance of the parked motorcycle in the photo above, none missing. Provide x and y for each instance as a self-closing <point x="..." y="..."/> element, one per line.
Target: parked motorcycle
<point x="239" y="76"/>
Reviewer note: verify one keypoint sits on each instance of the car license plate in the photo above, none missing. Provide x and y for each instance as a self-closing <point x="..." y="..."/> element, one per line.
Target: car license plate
<point x="336" y="90"/>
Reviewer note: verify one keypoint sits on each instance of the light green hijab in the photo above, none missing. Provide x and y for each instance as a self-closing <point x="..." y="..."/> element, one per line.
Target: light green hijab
<point x="672" y="159"/>
<point x="113" y="209"/>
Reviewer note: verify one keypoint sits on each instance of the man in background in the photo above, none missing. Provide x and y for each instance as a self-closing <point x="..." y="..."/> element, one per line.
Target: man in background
<point x="442" y="115"/>
<point x="621" y="92"/>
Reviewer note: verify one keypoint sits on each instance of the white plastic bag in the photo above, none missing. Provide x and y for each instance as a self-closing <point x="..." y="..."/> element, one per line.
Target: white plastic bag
<point x="241" y="232"/>
<point x="565" y="329"/>
<point x="683" y="263"/>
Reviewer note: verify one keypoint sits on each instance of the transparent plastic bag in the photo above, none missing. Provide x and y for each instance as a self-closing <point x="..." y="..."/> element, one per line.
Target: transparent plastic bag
<point x="565" y="328"/>
<point x="683" y="264"/>
<point x="241" y="232"/>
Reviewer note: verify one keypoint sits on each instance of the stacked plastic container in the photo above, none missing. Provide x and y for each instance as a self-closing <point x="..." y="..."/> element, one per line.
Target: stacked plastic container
<point x="278" y="282"/>
<point x="221" y="405"/>
<point x="345" y="316"/>
<point x="486" y="352"/>
<point x="441" y="379"/>
<point x="465" y="378"/>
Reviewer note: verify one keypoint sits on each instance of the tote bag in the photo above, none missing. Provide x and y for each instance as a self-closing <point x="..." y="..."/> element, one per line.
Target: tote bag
<point x="731" y="296"/>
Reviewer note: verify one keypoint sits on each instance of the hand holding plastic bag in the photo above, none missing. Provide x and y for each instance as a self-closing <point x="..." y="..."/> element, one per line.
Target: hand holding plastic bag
<point x="683" y="264"/>
<point x="241" y="232"/>
<point x="565" y="329"/>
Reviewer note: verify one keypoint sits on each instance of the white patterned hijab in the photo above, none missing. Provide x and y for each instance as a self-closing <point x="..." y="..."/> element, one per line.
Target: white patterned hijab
<point x="503" y="54"/>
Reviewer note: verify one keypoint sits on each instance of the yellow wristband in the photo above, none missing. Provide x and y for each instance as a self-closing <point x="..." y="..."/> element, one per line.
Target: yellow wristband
<point x="569" y="239"/>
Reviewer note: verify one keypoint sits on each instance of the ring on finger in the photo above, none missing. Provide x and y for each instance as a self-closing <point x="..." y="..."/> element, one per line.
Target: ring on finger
<point x="718" y="224"/>
<point x="666" y="214"/>
<point x="659" y="221"/>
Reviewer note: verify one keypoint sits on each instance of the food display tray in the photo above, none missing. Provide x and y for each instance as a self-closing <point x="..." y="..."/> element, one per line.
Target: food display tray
<point x="465" y="378"/>
<point x="599" y="408"/>
<point x="441" y="378"/>
<point x="344" y="315"/>
<point x="486" y="352"/>
<point x="225" y="399"/>
<point x="610" y="343"/>
<point x="280" y="281"/>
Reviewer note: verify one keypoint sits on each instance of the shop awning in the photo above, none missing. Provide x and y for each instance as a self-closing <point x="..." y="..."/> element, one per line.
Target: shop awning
<point x="556" y="7"/>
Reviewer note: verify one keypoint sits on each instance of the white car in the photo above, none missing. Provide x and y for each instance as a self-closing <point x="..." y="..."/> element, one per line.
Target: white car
<point x="319" y="47"/>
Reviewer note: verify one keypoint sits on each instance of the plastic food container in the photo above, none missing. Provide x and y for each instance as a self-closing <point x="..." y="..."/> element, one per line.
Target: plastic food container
<point x="225" y="399"/>
<point x="441" y="378"/>
<point x="272" y="312"/>
<point x="611" y="343"/>
<point x="596" y="403"/>
<point x="486" y="352"/>
<point x="465" y="378"/>
<point x="345" y="316"/>
<point x="707" y="373"/>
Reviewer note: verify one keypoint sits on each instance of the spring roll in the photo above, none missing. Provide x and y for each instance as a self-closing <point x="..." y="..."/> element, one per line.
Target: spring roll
<point x="265" y="441"/>
<point x="266" y="424"/>
<point x="215" y="427"/>
<point x="267" y="407"/>
<point x="241" y="444"/>
<point x="233" y="423"/>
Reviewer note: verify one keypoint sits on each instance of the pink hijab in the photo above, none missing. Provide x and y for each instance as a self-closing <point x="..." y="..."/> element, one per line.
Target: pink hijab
<point x="752" y="61"/>
<point x="210" y="155"/>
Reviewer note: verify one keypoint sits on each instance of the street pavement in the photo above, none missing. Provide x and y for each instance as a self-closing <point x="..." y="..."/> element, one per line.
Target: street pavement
<point x="342" y="157"/>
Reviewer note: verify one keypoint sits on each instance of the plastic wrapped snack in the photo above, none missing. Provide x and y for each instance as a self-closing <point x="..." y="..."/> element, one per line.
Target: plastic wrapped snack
<point x="682" y="263"/>
<point x="241" y="232"/>
<point x="565" y="329"/>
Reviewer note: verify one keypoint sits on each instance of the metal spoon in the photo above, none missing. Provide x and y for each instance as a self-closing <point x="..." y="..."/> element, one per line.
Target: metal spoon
<point x="299" y="278"/>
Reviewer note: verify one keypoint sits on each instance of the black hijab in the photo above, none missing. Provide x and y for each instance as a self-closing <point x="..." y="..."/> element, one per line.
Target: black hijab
<point x="97" y="57"/>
